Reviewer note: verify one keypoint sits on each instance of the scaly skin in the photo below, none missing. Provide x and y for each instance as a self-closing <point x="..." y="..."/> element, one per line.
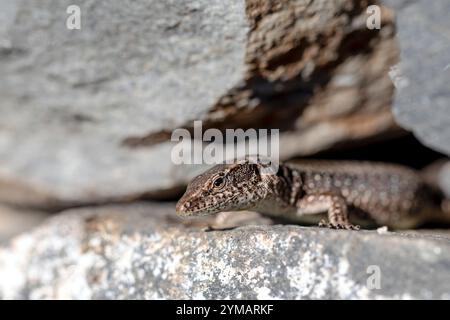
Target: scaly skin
<point x="303" y="191"/>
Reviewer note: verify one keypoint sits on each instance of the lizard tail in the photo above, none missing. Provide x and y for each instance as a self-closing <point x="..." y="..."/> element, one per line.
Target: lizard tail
<point x="439" y="210"/>
<point x="439" y="214"/>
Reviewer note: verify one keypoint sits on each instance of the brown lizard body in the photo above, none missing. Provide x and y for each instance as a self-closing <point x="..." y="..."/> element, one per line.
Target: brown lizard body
<point x="302" y="191"/>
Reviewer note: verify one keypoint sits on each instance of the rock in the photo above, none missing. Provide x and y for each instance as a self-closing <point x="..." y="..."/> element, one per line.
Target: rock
<point x="437" y="174"/>
<point x="70" y="97"/>
<point x="444" y="181"/>
<point x="86" y="114"/>
<point x="143" y="251"/>
<point x="14" y="221"/>
<point x="423" y="97"/>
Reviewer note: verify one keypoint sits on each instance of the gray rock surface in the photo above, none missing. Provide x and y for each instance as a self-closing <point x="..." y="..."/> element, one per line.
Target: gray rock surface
<point x="69" y="97"/>
<point x="86" y="113"/>
<point x="143" y="251"/>
<point x="422" y="101"/>
<point x="444" y="179"/>
<point x="437" y="175"/>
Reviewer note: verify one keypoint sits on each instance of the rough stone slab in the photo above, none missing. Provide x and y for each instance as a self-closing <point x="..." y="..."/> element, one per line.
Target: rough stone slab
<point x="422" y="101"/>
<point x="444" y="180"/>
<point x="85" y="114"/>
<point x="437" y="175"/>
<point x="69" y="98"/>
<point x="143" y="251"/>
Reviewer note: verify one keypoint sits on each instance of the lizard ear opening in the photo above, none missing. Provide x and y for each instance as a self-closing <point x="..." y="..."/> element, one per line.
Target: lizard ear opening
<point x="258" y="170"/>
<point x="269" y="168"/>
<point x="264" y="165"/>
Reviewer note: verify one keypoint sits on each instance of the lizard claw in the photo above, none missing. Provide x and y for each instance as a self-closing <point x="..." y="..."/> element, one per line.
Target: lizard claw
<point x="352" y="227"/>
<point x="325" y="224"/>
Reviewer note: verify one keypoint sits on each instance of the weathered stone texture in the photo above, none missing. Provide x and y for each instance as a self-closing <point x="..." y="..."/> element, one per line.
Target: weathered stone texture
<point x="143" y="251"/>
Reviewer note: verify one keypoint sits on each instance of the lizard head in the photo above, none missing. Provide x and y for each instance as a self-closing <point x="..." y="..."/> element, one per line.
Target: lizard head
<point x="225" y="187"/>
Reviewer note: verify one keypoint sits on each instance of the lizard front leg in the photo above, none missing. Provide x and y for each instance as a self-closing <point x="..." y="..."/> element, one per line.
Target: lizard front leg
<point x="335" y="206"/>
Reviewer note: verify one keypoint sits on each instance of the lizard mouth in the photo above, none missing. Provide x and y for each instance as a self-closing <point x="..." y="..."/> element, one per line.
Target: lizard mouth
<point x="184" y="209"/>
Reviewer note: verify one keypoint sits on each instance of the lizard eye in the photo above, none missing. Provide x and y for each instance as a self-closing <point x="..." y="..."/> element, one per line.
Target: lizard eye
<point x="219" y="182"/>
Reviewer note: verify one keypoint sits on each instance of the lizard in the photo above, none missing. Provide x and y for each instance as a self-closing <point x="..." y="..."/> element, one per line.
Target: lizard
<point x="338" y="194"/>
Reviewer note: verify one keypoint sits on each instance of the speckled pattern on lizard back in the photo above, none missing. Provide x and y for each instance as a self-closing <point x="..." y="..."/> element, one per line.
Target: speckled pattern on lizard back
<point x="306" y="191"/>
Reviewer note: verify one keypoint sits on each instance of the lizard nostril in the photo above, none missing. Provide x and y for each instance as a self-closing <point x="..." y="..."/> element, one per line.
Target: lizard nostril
<point x="183" y="207"/>
<point x="179" y="207"/>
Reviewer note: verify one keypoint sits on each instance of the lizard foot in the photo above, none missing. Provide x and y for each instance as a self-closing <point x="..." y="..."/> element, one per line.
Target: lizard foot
<point x="325" y="224"/>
